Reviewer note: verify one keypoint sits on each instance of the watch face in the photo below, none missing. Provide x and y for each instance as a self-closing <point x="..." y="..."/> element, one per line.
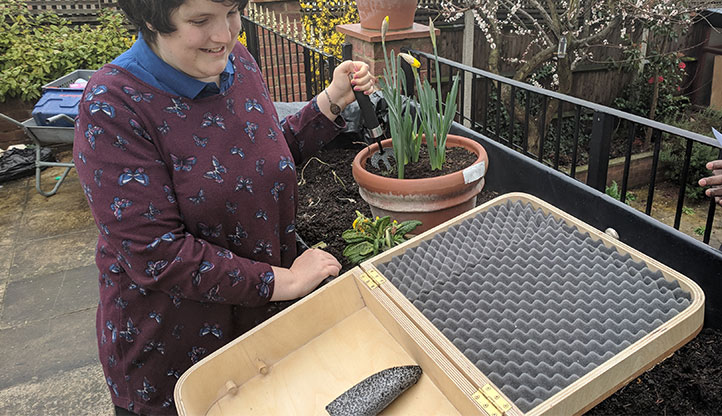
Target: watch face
<point x="335" y="109"/>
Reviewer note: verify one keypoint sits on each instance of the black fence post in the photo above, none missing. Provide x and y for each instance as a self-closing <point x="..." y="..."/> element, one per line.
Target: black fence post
<point x="307" y="68"/>
<point x="408" y="74"/>
<point x="346" y="51"/>
<point x="251" y="31"/>
<point x="599" y="145"/>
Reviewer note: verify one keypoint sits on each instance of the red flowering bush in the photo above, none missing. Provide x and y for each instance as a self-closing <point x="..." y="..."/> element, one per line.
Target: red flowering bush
<point x="669" y="72"/>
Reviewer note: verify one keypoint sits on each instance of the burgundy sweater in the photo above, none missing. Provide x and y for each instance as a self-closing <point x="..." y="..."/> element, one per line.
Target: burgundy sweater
<point x="194" y="200"/>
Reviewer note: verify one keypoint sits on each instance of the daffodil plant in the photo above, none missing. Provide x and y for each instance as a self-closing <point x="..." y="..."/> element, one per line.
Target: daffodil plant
<point x="403" y="122"/>
<point x="368" y="237"/>
<point x="433" y="117"/>
<point x="436" y="116"/>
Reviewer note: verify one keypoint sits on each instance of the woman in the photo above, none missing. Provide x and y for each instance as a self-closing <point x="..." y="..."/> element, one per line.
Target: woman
<point x="190" y="177"/>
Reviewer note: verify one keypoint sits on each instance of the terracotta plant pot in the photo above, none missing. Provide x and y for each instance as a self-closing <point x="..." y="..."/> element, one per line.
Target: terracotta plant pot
<point x="429" y="200"/>
<point x="400" y="13"/>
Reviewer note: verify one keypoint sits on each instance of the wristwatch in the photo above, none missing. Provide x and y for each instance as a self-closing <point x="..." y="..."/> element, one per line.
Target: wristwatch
<point x="335" y="109"/>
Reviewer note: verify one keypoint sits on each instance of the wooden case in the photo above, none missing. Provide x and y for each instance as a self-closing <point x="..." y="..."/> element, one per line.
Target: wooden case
<point x="599" y="383"/>
<point x="303" y="358"/>
<point x="306" y="356"/>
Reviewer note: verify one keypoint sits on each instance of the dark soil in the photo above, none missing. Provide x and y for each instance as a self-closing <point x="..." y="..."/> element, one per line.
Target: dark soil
<point x="457" y="158"/>
<point x="689" y="382"/>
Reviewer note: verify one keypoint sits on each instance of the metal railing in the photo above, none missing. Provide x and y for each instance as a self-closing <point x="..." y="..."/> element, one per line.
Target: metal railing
<point x="511" y="112"/>
<point x="294" y="70"/>
<point x="559" y="130"/>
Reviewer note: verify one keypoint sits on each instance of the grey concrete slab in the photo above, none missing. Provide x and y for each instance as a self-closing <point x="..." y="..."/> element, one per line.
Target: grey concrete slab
<point x="6" y="257"/>
<point x="48" y="348"/>
<point x="53" y="255"/>
<point x="80" y="391"/>
<point x="79" y="248"/>
<point x="45" y="297"/>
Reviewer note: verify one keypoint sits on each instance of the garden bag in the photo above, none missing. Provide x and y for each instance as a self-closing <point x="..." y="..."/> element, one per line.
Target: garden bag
<point x="18" y="163"/>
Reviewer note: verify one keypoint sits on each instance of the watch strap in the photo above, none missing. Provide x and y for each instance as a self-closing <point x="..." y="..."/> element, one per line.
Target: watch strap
<point x="335" y="109"/>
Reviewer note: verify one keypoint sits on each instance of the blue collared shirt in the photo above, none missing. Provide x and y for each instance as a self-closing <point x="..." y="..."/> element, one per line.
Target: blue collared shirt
<point x="141" y="61"/>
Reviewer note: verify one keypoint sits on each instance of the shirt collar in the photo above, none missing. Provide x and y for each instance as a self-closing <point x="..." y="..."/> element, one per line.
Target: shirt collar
<point x="175" y="81"/>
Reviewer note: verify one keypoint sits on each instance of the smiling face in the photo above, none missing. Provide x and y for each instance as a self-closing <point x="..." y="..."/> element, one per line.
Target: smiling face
<point x="206" y="32"/>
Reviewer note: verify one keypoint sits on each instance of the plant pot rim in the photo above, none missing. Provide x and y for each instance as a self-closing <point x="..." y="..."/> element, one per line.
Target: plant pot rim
<point x="449" y="180"/>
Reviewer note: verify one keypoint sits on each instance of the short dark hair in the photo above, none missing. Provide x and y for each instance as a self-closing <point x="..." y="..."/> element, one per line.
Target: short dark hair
<point x="157" y="14"/>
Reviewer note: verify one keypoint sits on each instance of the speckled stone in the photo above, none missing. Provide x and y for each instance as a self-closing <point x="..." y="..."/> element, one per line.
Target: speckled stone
<point x="372" y="395"/>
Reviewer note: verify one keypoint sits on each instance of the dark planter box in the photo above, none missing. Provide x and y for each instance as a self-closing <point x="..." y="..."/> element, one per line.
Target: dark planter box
<point x="510" y="171"/>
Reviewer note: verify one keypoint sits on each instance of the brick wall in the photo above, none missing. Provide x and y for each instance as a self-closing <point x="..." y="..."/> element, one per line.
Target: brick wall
<point x="10" y="133"/>
<point x="640" y="170"/>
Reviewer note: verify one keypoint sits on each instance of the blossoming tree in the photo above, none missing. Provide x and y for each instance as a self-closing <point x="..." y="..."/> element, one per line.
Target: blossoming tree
<point x="563" y="34"/>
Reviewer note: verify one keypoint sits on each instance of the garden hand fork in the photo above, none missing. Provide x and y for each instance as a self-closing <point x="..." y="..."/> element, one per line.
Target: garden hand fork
<point x="376" y="132"/>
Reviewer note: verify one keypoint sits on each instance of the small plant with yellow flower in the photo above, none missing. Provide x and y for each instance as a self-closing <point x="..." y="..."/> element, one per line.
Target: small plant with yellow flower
<point x="368" y="237"/>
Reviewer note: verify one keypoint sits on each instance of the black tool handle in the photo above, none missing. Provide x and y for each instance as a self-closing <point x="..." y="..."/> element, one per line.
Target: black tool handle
<point x="367" y="110"/>
<point x="369" y="116"/>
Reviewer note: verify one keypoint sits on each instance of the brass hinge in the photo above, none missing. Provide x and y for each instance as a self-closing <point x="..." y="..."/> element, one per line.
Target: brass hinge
<point x="373" y="279"/>
<point x="368" y="280"/>
<point x="496" y="398"/>
<point x="376" y="276"/>
<point x="491" y="400"/>
<point x="485" y="404"/>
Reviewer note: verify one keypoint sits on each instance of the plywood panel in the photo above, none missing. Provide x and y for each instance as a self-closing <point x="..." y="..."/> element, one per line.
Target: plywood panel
<point x="307" y="380"/>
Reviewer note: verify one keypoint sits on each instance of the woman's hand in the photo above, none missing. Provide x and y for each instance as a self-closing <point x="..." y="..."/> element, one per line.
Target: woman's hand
<point x="715" y="181"/>
<point x="347" y="77"/>
<point x="305" y="274"/>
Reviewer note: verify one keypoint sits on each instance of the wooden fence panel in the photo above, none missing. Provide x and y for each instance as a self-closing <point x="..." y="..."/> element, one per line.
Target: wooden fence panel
<point x="77" y="11"/>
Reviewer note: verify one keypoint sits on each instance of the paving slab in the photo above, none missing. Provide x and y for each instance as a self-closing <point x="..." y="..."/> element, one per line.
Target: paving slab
<point x="48" y="348"/>
<point x="6" y="257"/>
<point x="45" y="297"/>
<point x="52" y="255"/>
<point x="81" y="391"/>
<point x="12" y="203"/>
<point x="42" y="223"/>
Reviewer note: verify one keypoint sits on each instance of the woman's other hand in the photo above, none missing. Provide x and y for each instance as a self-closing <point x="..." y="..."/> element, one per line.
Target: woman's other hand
<point x="714" y="181"/>
<point x="305" y="274"/>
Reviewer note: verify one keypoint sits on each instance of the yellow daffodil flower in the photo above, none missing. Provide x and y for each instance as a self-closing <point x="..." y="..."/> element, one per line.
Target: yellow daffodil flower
<point x="410" y="60"/>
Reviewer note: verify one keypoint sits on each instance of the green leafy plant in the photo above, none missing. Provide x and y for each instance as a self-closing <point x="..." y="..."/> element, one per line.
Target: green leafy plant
<point x="36" y="49"/>
<point x="436" y="115"/>
<point x="368" y="237"/>
<point x="614" y="191"/>
<point x="403" y="122"/>
<point x="673" y="154"/>
<point x="433" y="117"/>
<point x="700" y="230"/>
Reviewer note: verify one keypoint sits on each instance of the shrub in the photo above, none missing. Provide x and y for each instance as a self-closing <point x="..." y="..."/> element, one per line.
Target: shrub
<point x="36" y="49"/>
<point x="673" y="152"/>
<point x="320" y="18"/>
<point x="637" y="98"/>
<point x="674" y="149"/>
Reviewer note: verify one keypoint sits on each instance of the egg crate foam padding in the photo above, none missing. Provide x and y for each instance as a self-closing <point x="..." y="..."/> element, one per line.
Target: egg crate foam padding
<point x="531" y="301"/>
